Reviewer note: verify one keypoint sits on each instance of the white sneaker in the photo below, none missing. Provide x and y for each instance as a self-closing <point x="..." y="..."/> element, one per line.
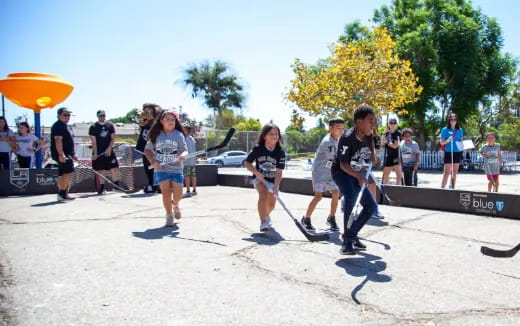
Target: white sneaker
<point x="60" y="198"/>
<point x="269" y="220"/>
<point x="378" y="215"/>
<point x="169" y="220"/>
<point x="264" y="226"/>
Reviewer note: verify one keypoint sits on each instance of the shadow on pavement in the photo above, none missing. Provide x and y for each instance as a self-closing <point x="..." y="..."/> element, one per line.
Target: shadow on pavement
<point x="270" y="238"/>
<point x="157" y="233"/>
<point x="50" y="203"/>
<point x="368" y="266"/>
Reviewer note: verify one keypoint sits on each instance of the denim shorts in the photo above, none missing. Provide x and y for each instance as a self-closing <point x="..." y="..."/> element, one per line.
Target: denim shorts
<point x="270" y="185"/>
<point x="159" y="177"/>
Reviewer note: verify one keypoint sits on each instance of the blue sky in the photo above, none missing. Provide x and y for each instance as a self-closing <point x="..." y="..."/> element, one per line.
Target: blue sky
<point x="120" y="54"/>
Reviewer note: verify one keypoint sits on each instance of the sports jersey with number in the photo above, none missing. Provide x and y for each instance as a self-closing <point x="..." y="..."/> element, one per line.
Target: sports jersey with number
<point x="323" y="159"/>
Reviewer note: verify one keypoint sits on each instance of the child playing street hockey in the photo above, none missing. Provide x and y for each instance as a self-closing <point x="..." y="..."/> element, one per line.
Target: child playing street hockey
<point x="492" y="161"/>
<point x="321" y="176"/>
<point x="354" y="152"/>
<point x="269" y="159"/>
<point x="166" y="150"/>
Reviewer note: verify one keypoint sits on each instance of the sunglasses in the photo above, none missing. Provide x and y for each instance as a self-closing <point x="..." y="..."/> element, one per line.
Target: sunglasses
<point x="101" y="115"/>
<point x="66" y="114"/>
<point x="393" y="123"/>
<point x="453" y="119"/>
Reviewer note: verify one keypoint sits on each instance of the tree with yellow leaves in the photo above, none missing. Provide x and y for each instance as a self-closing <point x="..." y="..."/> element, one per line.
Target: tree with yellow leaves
<point x="359" y="71"/>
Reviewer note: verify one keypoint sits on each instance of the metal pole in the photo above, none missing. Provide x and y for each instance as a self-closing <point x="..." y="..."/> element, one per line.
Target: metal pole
<point x="37" y="133"/>
<point x="3" y="106"/>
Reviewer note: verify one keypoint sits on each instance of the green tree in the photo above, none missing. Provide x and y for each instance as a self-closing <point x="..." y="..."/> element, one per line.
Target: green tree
<point x="454" y="50"/>
<point x="129" y="117"/>
<point x="216" y="86"/>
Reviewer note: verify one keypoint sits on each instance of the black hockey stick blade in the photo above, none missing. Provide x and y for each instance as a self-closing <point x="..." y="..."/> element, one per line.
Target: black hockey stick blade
<point x="224" y="143"/>
<point x="311" y="236"/>
<point x="499" y="253"/>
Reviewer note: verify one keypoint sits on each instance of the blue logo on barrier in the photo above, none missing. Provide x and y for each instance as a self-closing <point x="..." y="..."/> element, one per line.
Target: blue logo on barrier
<point x="499" y="205"/>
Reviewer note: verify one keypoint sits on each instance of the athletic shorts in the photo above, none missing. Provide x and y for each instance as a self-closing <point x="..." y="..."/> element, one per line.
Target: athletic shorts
<point x="24" y="162"/>
<point x="270" y="185"/>
<point x="391" y="161"/>
<point x="456" y="157"/>
<point x="492" y="177"/>
<point x="324" y="186"/>
<point x="190" y="171"/>
<point x="159" y="177"/>
<point x="105" y="163"/>
<point x="64" y="168"/>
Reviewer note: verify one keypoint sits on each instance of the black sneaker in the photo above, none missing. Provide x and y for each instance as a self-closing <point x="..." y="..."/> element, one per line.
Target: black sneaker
<point x="331" y="221"/>
<point x="306" y="221"/>
<point x="359" y="245"/>
<point x="101" y="189"/>
<point x="347" y="249"/>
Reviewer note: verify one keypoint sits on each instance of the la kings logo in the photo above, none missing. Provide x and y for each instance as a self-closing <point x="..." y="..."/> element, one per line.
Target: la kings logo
<point x="19" y="178"/>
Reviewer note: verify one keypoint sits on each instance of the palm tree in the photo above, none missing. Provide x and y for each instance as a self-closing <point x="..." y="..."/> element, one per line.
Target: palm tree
<point x="213" y="83"/>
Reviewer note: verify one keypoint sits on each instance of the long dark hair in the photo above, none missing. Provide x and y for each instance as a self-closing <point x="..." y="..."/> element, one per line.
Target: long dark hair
<point x="26" y="125"/>
<point x="448" y="121"/>
<point x="6" y="127"/>
<point x="157" y="126"/>
<point x="265" y="130"/>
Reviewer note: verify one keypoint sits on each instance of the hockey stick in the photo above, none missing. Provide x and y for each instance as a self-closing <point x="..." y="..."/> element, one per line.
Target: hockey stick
<point x="353" y="214"/>
<point x="381" y="189"/>
<point x="103" y="153"/>
<point x="310" y="236"/>
<point x="126" y="191"/>
<point x="223" y="144"/>
<point x="499" y="253"/>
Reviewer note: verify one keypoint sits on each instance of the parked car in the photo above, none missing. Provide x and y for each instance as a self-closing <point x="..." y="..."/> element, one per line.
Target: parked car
<point x="228" y="158"/>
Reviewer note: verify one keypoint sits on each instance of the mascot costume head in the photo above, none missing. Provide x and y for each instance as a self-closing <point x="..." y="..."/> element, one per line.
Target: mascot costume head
<point x="145" y="118"/>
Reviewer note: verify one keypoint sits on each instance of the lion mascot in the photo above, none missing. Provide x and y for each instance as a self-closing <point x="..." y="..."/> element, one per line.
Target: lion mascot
<point x="145" y="119"/>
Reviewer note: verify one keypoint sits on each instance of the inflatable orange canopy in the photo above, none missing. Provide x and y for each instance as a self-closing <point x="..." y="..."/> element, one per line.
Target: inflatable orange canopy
<point x="34" y="90"/>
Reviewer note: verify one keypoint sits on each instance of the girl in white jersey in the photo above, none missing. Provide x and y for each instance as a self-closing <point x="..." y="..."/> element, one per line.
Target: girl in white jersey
<point x="24" y="145"/>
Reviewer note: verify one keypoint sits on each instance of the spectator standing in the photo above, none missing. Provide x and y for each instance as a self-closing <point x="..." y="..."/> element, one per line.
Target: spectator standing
<point x="25" y="148"/>
<point x="102" y="136"/>
<point x="7" y="144"/>
<point x="451" y="144"/>
<point x="410" y="155"/>
<point x="190" y="173"/>
<point x="492" y="156"/>
<point x="62" y="151"/>
<point x="391" y="139"/>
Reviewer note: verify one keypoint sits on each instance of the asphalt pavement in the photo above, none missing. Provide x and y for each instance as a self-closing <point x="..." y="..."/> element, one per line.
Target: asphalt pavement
<point x="108" y="260"/>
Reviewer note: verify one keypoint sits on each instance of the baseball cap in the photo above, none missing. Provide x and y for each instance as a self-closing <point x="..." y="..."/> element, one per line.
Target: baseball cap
<point x="392" y="121"/>
<point x="100" y="112"/>
<point x="64" y="110"/>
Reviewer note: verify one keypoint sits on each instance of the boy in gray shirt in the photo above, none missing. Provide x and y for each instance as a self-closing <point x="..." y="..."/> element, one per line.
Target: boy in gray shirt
<point x="410" y="154"/>
<point x="321" y="175"/>
<point x="492" y="161"/>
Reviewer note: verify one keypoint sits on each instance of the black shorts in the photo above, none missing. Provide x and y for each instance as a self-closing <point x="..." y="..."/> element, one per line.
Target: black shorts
<point x="390" y="161"/>
<point x="24" y="161"/>
<point x="64" y="168"/>
<point x="456" y="157"/>
<point x="105" y="163"/>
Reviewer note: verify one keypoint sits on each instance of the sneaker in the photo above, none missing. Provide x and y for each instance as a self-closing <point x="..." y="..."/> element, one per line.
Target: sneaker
<point x="378" y="215"/>
<point x="60" y="198"/>
<point x="331" y="221"/>
<point x="264" y="226"/>
<point x="67" y="197"/>
<point x="347" y="249"/>
<point x="359" y="245"/>
<point x="186" y="195"/>
<point x="148" y="189"/>
<point x="194" y="193"/>
<point x="269" y="221"/>
<point x="101" y="190"/>
<point x="177" y="212"/>
<point x="169" y="220"/>
<point x="306" y="221"/>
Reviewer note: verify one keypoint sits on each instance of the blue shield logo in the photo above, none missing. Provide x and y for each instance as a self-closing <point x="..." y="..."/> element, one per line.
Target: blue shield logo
<point x="499" y="205"/>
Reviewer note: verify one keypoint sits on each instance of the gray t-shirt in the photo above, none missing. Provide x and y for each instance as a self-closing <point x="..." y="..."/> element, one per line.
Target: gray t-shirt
<point x="323" y="159"/>
<point x="491" y="165"/>
<point x="190" y="143"/>
<point x="167" y="149"/>
<point x="25" y="144"/>
<point x="409" y="152"/>
<point x="4" y="145"/>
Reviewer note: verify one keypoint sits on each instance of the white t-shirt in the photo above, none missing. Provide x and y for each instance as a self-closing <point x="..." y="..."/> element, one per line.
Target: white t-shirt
<point x="25" y="144"/>
<point x="4" y="145"/>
